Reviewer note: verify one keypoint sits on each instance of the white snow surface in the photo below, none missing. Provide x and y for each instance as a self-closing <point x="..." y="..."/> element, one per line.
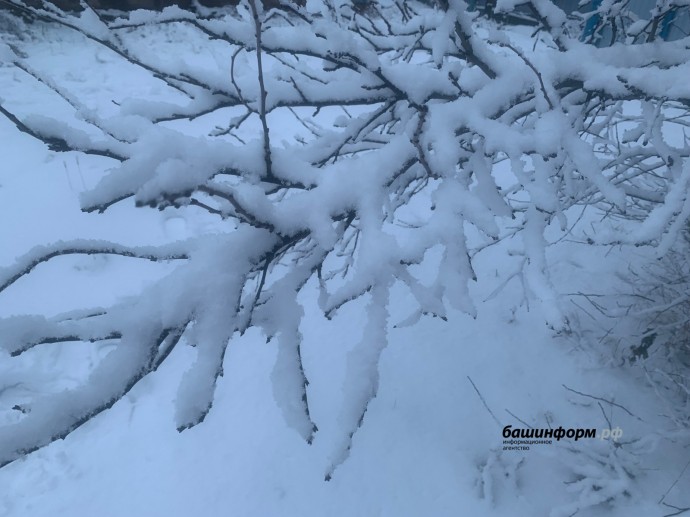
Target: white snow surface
<point x="430" y="440"/>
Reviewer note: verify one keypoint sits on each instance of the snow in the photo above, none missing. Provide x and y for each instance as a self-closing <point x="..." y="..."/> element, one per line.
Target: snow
<point x="409" y="408"/>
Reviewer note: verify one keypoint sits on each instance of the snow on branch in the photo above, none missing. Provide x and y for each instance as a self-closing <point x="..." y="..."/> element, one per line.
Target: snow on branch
<point x="40" y="254"/>
<point x="52" y="417"/>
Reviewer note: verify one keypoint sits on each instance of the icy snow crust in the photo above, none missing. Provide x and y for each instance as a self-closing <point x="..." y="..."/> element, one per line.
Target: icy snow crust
<point x="427" y="444"/>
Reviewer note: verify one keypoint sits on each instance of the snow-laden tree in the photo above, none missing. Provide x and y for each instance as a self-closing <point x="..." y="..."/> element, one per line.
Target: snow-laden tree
<point x="450" y="137"/>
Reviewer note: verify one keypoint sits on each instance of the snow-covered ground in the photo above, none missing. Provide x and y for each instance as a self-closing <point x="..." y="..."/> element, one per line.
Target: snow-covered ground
<point x="431" y="441"/>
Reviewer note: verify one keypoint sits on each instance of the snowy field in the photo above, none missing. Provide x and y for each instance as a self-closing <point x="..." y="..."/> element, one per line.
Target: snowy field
<point x="430" y="443"/>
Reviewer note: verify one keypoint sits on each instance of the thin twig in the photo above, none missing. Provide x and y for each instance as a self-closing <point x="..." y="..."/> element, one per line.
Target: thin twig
<point x="680" y="510"/>
<point x="603" y="400"/>
<point x="605" y="416"/>
<point x="518" y="418"/>
<point x="262" y="90"/>
<point x="675" y="482"/>
<point x="483" y="401"/>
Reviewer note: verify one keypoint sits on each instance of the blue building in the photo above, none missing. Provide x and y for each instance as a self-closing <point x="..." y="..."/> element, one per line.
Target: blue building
<point x="605" y="22"/>
<point x="663" y="20"/>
